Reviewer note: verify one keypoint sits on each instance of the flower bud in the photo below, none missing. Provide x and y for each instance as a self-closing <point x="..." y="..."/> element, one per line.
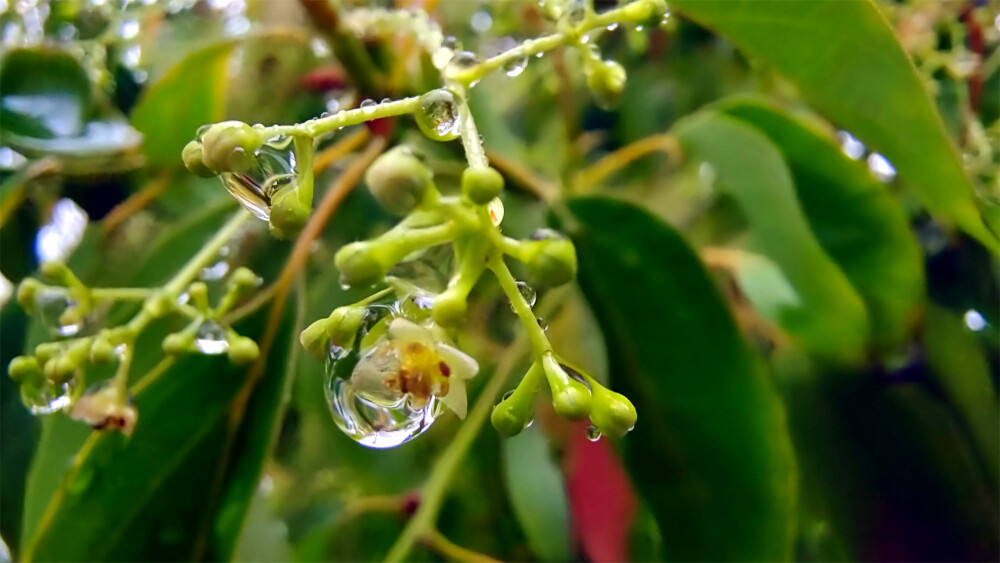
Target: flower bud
<point x="243" y="350"/>
<point x="449" y="308"/>
<point x="26" y="293"/>
<point x="570" y="398"/>
<point x="398" y="180"/>
<point x="288" y="213"/>
<point x="606" y="81"/>
<point x="509" y="417"/>
<point x="47" y="350"/>
<point x="177" y="343"/>
<point x="24" y="367"/>
<point x="192" y="157"/>
<point x="343" y="324"/>
<point x="315" y="338"/>
<point x="358" y="264"/>
<point x="101" y="351"/>
<point x="55" y="271"/>
<point x="553" y="263"/>
<point x="612" y="413"/>
<point x="481" y="184"/>
<point x="229" y="146"/>
<point x="159" y="305"/>
<point x="244" y="279"/>
<point x="61" y="369"/>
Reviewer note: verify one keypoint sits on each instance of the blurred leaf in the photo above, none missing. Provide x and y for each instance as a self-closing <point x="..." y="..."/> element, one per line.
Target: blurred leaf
<point x="191" y="94"/>
<point x="103" y="146"/>
<point x="848" y="63"/>
<point x="44" y="93"/>
<point x="705" y="406"/>
<point x="824" y="313"/>
<point x="960" y="369"/>
<point x="854" y="217"/>
<point x="537" y="494"/>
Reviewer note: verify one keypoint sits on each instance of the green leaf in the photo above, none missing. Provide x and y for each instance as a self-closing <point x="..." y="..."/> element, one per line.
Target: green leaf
<point x="191" y="94"/>
<point x="44" y="93"/>
<point x="705" y="405"/>
<point x="847" y="62"/>
<point x="824" y="313"/>
<point x="538" y="494"/>
<point x="854" y="217"/>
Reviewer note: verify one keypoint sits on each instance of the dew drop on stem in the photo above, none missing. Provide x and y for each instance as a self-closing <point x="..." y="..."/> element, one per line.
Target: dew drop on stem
<point x="438" y="115"/>
<point x="515" y="66"/>
<point x="211" y="339"/>
<point x="54" y="305"/>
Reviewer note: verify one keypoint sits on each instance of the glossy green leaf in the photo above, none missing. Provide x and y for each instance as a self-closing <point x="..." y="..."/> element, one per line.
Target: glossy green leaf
<point x="189" y="95"/>
<point x="537" y="494"/>
<point x="847" y="62"/>
<point x="818" y="306"/>
<point x="705" y="405"/>
<point x="855" y="218"/>
<point x="44" y="93"/>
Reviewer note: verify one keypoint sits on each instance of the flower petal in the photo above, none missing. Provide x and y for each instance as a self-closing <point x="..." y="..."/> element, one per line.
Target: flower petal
<point x="409" y="331"/>
<point x="456" y="399"/>
<point x="462" y="365"/>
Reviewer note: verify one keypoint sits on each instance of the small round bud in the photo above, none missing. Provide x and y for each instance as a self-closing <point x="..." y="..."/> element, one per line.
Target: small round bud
<point x="449" y="308"/>
<point x="177" y="343"/>
<point x="70" y="317"/>
<point x="358" y="264"/>
<point x="243" y="350"/>
<point x="229" y="146"/>
<point x="55" y="271"/>
<point x="481" y="184"/>
<point x="244" y="278"/>
<point x="62" y="369"/>
<point x="192" y="156"/>
<point x="554" y="262"/>
<point x="398" y="180"/>
<point x="288" y="213"/>
<point x="343" y="324"/>
<point x="508" y="419"/>
<point x="101" y="351"/>
<point x="612" y="413"/>
<point x="198" y="291"/>
<point x="159" y="305"/>
<point x="572" y="401"/>
<point x="24" y="367"/>
<point x="27" y="292"/>
<point x="315" y="338"/>
<point x="606" y="81"/>
<point x="46" y="351"/>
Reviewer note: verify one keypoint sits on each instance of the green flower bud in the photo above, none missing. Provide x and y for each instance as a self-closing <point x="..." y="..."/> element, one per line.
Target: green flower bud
<point x="177" y="343"/>
<point x="61" y="369"/>
<point x="510" y="418"/>
<point x="229" y="146"/>
<point x="47" y="350"/>
<point x="358" y="264"/>
<point x="192" y="156"/>
<point x="22" y="368"/>
<point x="481" y="184"/>
<point x="343" y="324"/>
<point x="70" y="316"/>
<point x="553" y="262"/>
<point x="612" y="413"/>
<point x="398" y="180"/>
<point x="198" y="291"/>
<point x="244" y="279"/>
<point x="570" y="398"/>
<point x="159" y="305"/>
<point x="26" y="293"/>
<point x="316" y="338"/>
<point x="101" y="351"/>
<point x="55" y="271"/>
<point x="243" y="350"/>
<point x="449" y="308"/>
<point x="288" y="213"/>
<point x="606" y="80"/>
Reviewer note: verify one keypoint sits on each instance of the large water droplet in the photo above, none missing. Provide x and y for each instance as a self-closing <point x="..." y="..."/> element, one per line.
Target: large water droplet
<point x="368" y="106"/>
<point x="271" y="168"/>
<point x="527" y="293"/>
<point x="438" y="115"/>
<point x="593" y="433"/>
<point x="211" y="339"/>
<point x="45" y="397"/>
<point x="516" y="66"/>
<point x="54" y="307"/>
<point x="463" y="60"/>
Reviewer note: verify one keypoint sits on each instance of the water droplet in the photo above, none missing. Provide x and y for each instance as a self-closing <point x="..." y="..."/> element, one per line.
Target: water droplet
<point x="45" y="397"/>
<point x="542" y="323"/>
<point x="385" y="101"/>
<point x="666" y="20"/>
<point x="271" y="168"/>
<point x="481" y="22"/>
<point x="463" y="60"/>
<point x="585" y="38"/>
<point x="638" y="28"/>
<point x="516" y="66"/>
<point x="495" y="210"/>
<point x="530" y="422"/>
<point x="575" y="13"/>
<point x="368" y="106"/>
<point x="851" y="146"/>
<point x="593" y="433"/>
<point x="507" y="395"/>
<point x="441" y="57"/>
<point x="320" y="48"/>
<point x="527" y="292"/>
<point x="129" y="29"/>
<point x="974" y="320"/>
<point x="547" y="234"/>
<point x="881" y="168"/>
<point x="450" y="42"/>
<point x="214" y="272"/>
<point x="612" y="27"/>
<point x="539" y="54"/>
<point x="332" y="106"/>
<point x="211" y="339"/>
<point x="57" y="311"/>
<point x="438" y="115"/>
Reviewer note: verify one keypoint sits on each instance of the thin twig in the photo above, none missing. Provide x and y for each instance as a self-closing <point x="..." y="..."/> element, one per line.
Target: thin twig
<point x="340" y="149"/>
<point x="527" y="179"/>
<point x="597" y="172"/>
<point x="442" y="545"/>
<point x="140" y="199"/>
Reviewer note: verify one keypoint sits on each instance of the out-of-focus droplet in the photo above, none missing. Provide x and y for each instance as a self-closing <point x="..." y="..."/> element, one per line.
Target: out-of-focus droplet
<point x="574" y="13"/>
<point x="515" y="66"/>
<point x="481" y="22"/>
<point x="320" y="48"/>
<point x="271" y="168"/>
<point x="612" y="27"/>
<point x="974" y="320"/>
<point x="881" y="168"/>
<point x="211" y="339"/>
<point x="45" y="397"/>
<point x="368" y="106"/>
<point x="438" y="115"/>
<point x="463" y="60"/>
<point x="851" y="146"/>
<point x="593" y="433"/>
<point x="129" y="29"/>
<point x="52" y="304"/>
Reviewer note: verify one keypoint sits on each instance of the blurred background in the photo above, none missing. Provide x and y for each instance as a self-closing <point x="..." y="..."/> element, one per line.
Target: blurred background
<point x="759" y="436"/>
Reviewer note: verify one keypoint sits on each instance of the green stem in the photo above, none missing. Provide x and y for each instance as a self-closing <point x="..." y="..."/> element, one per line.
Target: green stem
<point x="190" y="271"/>
<point x="539" y="342"/>
<point x="635" y="12"/>
<point x="121" y="293"/>
<point x="473" y="145"/>
<point x="344" y="118"/>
